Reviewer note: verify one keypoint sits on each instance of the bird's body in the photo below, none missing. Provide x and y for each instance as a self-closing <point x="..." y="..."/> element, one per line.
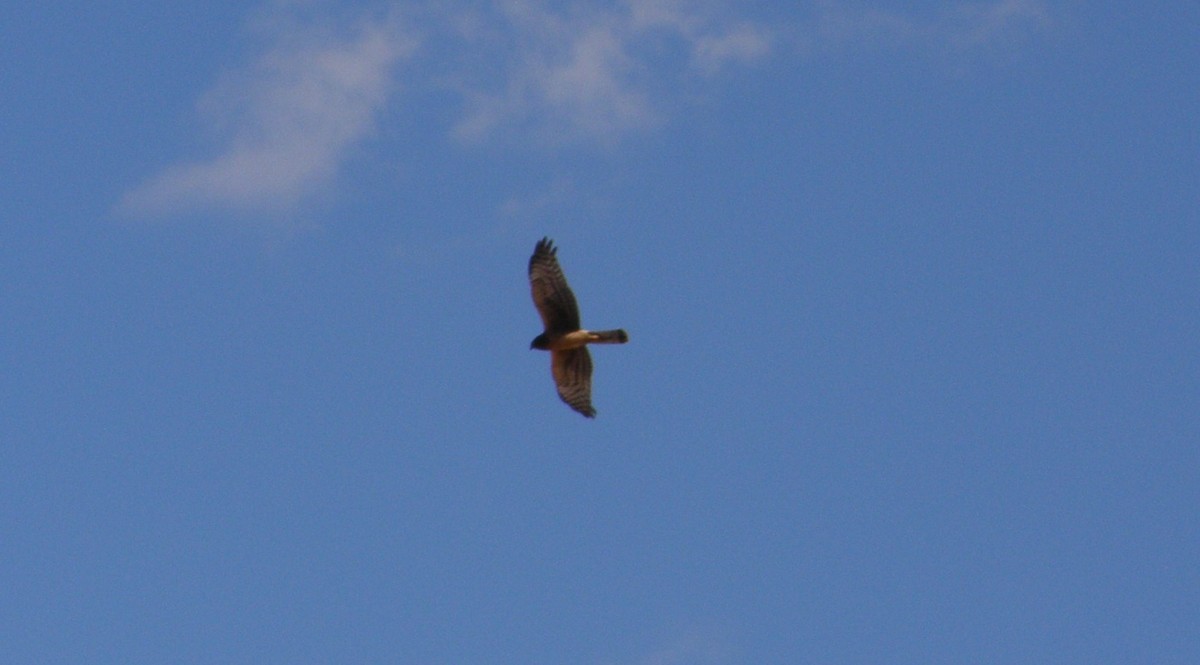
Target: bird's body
<point x="579" y="338"/>
<point x="564" y="337"/>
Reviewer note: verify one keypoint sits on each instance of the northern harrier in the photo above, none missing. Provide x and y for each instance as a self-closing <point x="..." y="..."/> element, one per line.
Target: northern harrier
<point x="566" y="341"/>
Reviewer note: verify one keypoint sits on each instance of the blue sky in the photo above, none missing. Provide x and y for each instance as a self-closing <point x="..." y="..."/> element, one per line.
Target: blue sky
<point x="911" y="290"/>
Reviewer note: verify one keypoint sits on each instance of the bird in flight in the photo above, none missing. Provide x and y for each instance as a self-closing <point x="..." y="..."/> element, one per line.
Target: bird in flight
<point x="564" y="338"/>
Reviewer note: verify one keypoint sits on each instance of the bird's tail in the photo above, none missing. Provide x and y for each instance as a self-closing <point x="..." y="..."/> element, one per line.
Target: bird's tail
<point x="617" y="336"/>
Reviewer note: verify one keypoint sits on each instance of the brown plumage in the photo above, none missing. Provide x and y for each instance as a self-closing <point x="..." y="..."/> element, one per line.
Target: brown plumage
<point x="564" y="337"/>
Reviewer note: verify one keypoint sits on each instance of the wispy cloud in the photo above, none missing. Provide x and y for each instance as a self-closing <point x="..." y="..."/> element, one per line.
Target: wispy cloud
<point x="584" y="73"/>
<point x="713" y="42"/>
<point x="568" y="77"/>
<point x="557" y="73"/>
<point x="285" y="123"/>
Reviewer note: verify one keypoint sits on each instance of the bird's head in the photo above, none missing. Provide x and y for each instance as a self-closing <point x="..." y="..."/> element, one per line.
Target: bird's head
<point x="540" y="342"/>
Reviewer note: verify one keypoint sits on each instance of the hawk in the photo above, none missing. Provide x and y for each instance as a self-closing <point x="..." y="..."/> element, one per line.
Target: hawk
<point x="564" y="338"/>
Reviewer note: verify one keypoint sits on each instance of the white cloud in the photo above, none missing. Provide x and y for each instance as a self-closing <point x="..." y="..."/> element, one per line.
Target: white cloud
<point x="742" y="43"/>
<point x="712" y="43"/>
<point x="554" y="72"/>
<point x="583" y="72"/>
<point x="568" y="79"/>
<point x="287" y="123"/>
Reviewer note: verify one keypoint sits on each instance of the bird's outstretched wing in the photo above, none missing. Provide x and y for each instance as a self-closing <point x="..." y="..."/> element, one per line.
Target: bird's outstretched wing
<point x="553" y="298"/>
<point x="572" y="371"/>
